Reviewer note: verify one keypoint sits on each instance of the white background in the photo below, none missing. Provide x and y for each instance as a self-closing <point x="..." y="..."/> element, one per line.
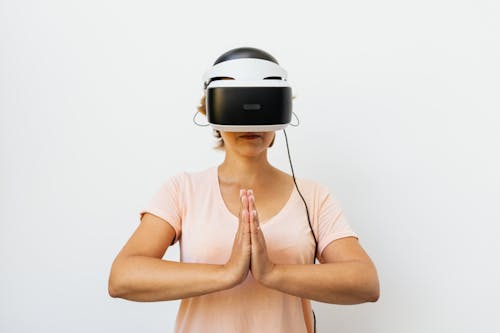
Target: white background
<point x="399" y="110"/>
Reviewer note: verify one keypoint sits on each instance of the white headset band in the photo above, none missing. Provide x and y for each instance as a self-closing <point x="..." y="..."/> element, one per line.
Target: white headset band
<point x="248" y="83"/>
<point x="245" y="69"/>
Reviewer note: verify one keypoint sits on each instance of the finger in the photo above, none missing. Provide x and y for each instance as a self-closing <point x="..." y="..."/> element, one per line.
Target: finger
<point x="250" y="196"/>
<point x="244" y="223"/>
<point x="254" y="228"/>
<point x="245" y="200"/>
<point x="246" y="204"/>
<point x="255" y="213"/>
<point x="242" y="219"/>
<point x="250" y="206"/>
<point x="241" y="202"/>
<point x="251" y="203"/>
<point x="251" y="216"/>
<point x="245" y="216"/>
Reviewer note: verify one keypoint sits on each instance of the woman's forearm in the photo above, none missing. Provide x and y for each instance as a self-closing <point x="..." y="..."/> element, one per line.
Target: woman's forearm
<point x="351" y="282"/>
<point x="147" y="279"/>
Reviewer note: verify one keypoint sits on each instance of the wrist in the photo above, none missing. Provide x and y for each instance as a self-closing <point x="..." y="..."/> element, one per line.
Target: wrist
<point x="272" y="278"/>
<point x="228" y="277"/>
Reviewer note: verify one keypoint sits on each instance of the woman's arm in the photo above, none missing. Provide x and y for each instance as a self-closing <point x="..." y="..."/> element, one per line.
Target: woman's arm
<point x="146" y="279"/>
<point x="139" y="274"/>
<point x="347" y="277"/>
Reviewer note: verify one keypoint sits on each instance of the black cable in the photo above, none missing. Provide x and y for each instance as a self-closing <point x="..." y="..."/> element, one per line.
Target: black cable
<point x="307" y="211"/>
<point x="314" y="316"/>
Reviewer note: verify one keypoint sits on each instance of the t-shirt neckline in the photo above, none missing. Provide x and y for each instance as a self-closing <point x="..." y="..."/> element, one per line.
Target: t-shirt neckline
<point x="226" y="210"/>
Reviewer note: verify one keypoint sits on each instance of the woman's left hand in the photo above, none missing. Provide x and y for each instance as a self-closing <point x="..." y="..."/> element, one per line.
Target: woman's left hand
<point x="260" y="264"/>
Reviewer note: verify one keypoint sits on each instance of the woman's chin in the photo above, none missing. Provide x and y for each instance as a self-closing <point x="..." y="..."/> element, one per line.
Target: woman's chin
<point x="251" y="151"/>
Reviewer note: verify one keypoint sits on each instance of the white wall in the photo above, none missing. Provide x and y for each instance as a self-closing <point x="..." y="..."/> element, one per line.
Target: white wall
<point x="399" y="111"/>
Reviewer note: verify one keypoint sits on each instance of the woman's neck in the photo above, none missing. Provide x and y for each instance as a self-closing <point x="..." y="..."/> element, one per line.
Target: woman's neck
<point x="245" y="171"/>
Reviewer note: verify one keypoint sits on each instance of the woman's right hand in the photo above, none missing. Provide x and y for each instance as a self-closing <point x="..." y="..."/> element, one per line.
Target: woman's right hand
<point x="238" y="264"/>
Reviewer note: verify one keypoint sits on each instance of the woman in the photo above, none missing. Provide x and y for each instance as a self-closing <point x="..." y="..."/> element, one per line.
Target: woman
<point x="246" y="246"/>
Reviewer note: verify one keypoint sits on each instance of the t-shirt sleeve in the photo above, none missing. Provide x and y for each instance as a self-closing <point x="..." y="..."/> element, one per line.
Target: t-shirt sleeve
<point x="332" y="223"/>
<point x="167" y="204"/>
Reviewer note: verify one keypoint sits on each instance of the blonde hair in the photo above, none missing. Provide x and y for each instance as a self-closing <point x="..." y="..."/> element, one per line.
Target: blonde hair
<point x="219" y="145"/>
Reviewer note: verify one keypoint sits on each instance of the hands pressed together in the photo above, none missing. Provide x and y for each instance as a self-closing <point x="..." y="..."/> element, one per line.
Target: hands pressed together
<point x="249" y="250"/>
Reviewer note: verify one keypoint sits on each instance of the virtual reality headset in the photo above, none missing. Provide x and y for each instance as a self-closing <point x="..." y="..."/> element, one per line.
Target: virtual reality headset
<point x="247" y="91"/>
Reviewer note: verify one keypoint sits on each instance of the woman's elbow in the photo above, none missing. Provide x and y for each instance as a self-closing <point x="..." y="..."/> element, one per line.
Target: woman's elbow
<point x="112" y="288"/>
<point x="112" y="292"/>
<point x="114" y="282"/>
<point x="366" y="285"/>
<point x="374" y="295"/>
<point x="373" y="292"/>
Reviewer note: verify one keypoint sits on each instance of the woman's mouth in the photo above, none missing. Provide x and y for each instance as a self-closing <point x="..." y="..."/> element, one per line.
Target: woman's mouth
<point x="250" y="137"/>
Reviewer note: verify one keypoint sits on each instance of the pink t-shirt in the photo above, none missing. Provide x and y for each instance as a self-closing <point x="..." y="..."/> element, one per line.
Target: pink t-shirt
<point x="205" y="228"/>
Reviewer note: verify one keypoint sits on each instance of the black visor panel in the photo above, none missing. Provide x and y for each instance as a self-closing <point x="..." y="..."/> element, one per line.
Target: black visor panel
<point x="249" y="105"/>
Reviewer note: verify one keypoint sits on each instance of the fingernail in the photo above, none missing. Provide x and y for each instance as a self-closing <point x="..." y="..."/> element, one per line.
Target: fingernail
<point x="254" y="213"/>
<point x="250" y="192"/>
<point x="241" y="192"/>
<point x="253" y="199"/>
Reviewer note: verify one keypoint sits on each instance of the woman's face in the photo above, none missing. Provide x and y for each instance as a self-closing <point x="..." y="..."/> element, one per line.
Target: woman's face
<point x="243" y="143"/>
<point x="247" y="143"/>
